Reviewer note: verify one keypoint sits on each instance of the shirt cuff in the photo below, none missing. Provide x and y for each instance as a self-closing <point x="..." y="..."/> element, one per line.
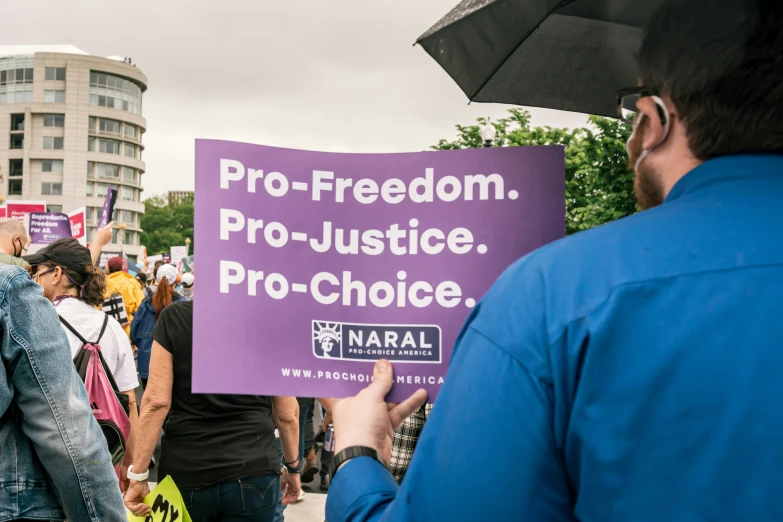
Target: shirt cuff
<point x="362" y="485"/>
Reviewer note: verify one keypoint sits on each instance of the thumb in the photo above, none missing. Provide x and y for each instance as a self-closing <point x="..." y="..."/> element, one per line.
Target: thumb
<point x="381" y="379"/>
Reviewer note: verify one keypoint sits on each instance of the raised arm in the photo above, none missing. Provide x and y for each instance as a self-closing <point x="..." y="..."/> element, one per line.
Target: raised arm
<point x="55" y="413"/>
<point x="101" y="239"/>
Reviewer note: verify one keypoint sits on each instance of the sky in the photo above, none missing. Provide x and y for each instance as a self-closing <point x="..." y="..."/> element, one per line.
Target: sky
<point x="330" y="75"/>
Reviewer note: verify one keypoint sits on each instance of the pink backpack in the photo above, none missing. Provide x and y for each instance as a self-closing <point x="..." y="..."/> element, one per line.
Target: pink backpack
<point x="109" y="406"/>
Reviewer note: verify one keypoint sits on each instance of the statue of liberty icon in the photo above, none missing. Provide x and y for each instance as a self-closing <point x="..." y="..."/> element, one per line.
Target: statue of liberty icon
<point x="327" y="340"/>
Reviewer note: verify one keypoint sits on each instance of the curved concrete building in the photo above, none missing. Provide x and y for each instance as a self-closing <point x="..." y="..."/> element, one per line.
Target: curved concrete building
<point x="71" y="127"/>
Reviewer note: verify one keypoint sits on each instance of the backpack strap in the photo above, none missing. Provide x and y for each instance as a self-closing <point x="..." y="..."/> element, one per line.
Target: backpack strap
<point x="103" y="328"/>
<point x="73" y="330"/>
<point x="79" y="336"/>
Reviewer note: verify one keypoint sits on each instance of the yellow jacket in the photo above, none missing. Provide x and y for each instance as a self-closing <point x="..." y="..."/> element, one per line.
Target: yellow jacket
<point x="130" y="290"/>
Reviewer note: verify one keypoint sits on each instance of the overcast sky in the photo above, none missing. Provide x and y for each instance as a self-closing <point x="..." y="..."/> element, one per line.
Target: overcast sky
<point x="332" y="75"/>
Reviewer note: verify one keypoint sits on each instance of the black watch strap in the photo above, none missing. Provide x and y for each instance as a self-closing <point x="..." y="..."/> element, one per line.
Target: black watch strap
<point x="351" y="453"/>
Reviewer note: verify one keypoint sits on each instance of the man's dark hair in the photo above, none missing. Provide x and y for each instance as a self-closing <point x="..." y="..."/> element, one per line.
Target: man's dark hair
<point x="721" y="63"/>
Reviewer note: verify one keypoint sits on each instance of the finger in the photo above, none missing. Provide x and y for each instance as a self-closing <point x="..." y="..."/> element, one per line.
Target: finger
<point x="406" y="408"/>
<point x="382" y="376"/>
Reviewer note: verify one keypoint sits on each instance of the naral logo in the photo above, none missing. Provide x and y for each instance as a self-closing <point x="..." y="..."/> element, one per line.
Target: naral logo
<point x="370" y="342"/>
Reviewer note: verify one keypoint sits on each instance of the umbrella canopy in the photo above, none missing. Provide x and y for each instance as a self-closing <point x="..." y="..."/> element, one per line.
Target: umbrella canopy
<point x="570" y="55"/>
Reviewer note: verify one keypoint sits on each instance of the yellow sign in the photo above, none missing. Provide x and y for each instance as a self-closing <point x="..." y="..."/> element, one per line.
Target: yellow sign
<point x="166" y="505"/>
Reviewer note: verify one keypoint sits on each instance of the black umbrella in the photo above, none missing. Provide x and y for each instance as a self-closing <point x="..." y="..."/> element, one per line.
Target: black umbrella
<point x="571" y="55"/>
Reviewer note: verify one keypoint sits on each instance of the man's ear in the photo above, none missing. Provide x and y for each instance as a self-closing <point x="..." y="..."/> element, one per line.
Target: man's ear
<point x="657" y="119"/>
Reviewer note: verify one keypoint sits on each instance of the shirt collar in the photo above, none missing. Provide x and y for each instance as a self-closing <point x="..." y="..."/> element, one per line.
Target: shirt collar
<point x="726" y="168"/>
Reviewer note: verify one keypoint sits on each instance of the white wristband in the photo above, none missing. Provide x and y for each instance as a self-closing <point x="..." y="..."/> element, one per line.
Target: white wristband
<point x="138" y="477"/>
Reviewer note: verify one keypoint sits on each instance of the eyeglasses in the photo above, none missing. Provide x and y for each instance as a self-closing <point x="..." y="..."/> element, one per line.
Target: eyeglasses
<point x="627" y="99"/>
<point x="38" y="275"/>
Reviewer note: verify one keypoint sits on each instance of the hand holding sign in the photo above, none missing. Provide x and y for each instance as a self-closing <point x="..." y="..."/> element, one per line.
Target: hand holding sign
<point x="366" y="420"/>
<point x="164" y="504"/>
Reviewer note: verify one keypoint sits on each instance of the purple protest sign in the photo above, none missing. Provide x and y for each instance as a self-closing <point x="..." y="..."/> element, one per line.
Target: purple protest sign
<point x="48" y="227"/>
<point x="314" y="265"/>
<point x="108" y="208"/>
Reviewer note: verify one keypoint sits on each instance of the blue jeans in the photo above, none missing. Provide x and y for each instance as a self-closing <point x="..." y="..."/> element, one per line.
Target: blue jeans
<point x="237" y="500"/>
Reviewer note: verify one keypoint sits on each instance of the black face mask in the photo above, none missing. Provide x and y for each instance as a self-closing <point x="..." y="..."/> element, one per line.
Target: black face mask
<point x="21" y="247"/>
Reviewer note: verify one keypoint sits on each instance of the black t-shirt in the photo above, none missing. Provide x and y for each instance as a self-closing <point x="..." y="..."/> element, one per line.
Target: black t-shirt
<point x="210" y="438"/>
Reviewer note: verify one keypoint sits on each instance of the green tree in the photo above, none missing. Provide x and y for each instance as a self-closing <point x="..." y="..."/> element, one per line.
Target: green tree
<point x="166" y="225"/>
<point x="599" y="185"/>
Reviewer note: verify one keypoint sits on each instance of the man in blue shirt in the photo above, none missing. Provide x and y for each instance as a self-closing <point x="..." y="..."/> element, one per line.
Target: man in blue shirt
<point x="637" y="368"/>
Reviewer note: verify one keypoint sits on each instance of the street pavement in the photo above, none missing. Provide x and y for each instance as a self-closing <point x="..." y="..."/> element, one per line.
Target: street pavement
<point x="311" y="508"/>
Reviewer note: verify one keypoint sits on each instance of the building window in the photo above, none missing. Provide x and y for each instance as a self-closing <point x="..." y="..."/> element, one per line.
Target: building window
<point x="51" y="189"/>
<point x="55" y="73"/>
<point x="90" y="186"/>
<point x="90" y="234"/>
<point x="15" y="167"/>
<point x="16" y="76"/>
<point x="130" y="131"/>
<point x="128" y="194"/>
<point x="130" y="150"/>
<point x="54" y="208"/>
<point x="51" y="143"/>
<point x="108" y="170"/>
<point x="91" y="124"/>
<point x="21" y="94"/>
<point x="107" y="90"/>
<point x="102" y="188"/>
<point x="90" y="144"/>
<point x="128" y="174"/>
<point x="49" y="165"/>
<point x="17" y="122"/>
<point x="109" y="126"/>
<point x="108" y="146"/>
<point x="14" y="187"/>
<point x="54" y="96"/>
<point x="17" y="141"/>
<point x="54" y="120"/>
<point x="130" y="237"/>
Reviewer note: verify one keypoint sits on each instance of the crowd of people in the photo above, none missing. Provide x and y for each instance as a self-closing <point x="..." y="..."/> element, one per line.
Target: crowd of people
<point x="632" y="370"/>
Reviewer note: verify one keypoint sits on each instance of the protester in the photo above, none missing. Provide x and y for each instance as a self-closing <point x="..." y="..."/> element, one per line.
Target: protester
<point x="14" y="243"/>
<point x="141" y="277"/>
<point x="187" y="285"/>
<point x="75" y="286"/>
<point x="147" y="316"/>
<point x="154" y="285"/>
<point x="218" y="449"/>
<point x="404" y="442"/>
<point x="126" y="285"/>
<point x="54" y="462"/>
<point x="634" y="368"/>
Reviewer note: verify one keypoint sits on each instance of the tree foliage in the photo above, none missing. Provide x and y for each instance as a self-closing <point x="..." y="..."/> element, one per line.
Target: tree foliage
<point x="166" y="225"/>
<point x="599" y="185"/>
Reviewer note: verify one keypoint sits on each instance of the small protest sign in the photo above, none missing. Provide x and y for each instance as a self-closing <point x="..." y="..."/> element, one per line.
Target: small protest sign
<point x="78" y="225"/>
<point x="166" y="504"/>
<point x="48" y="227"/>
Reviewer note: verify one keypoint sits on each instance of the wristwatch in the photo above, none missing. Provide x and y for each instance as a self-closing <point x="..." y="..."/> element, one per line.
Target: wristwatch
<point x="351" y="453"/>
<point x="138" y="477"/>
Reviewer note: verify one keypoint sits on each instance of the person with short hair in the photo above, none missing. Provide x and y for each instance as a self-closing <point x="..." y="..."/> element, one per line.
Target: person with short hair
<point x="14" y="243"/>
<point x="635" y="368"/>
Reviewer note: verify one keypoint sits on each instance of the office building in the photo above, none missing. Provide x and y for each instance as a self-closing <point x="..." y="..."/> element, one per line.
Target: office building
<point x="177" y="196"/>
<point x="71" y="127"/>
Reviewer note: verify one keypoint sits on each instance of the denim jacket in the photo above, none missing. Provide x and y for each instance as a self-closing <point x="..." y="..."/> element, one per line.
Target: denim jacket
<point x="54" y="462"/>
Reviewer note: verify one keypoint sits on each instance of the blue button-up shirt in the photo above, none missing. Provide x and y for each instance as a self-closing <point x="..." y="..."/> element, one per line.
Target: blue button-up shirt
<point x="633" y="372"/>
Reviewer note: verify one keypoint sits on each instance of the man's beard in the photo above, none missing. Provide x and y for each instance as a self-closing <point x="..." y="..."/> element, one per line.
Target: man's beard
<point x="646" y="185"/>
